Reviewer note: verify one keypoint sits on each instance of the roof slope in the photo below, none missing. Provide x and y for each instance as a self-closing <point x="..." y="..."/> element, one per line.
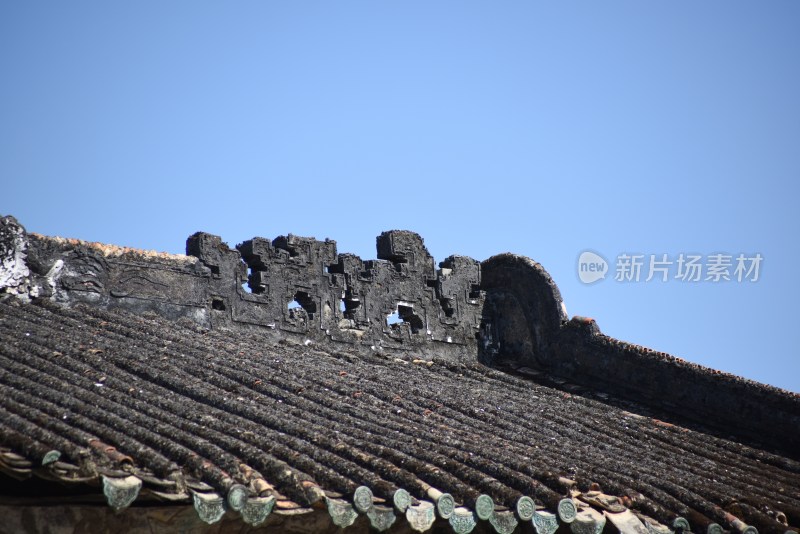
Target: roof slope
<point x="192" y="411"/>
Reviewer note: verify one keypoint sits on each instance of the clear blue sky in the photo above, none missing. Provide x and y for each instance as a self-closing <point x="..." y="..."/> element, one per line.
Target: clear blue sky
<point x="539" y="128"/>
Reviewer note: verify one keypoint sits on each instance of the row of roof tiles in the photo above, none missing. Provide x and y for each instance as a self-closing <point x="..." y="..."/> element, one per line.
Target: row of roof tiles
<point x="232" y="423"/>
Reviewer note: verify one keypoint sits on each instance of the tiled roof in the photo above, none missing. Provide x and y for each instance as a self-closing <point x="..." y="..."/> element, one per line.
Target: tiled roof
<point x="161" y="410"/>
